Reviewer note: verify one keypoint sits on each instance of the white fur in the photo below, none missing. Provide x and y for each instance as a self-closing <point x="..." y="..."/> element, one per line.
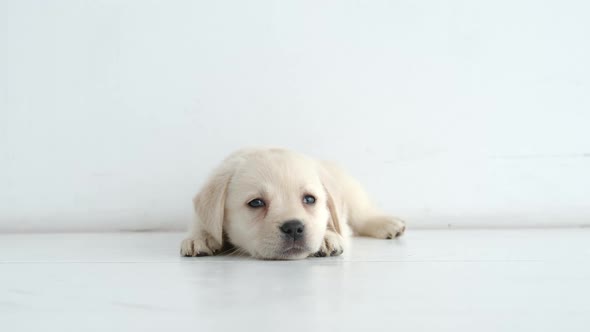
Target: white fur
<point x="282" y="178"/>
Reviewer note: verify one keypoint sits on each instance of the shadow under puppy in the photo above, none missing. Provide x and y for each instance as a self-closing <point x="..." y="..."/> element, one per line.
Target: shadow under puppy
<point x="279" y="204"/>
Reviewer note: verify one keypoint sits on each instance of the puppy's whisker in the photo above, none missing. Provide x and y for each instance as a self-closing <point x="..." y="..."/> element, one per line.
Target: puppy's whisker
<point x="229" y="251"/>
<point x="241" y="252"/>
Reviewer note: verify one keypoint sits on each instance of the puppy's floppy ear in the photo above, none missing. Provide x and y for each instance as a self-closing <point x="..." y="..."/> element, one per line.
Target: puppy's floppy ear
<point x="338" y="217"/>
<point x="337" y="213"/>
<point x="209" y="203"/>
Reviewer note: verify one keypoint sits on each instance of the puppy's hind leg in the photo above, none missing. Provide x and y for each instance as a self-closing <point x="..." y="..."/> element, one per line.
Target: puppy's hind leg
<point x="366" y="219"/>
<point x="380" y="226"/>
<point x="363" y="216"/>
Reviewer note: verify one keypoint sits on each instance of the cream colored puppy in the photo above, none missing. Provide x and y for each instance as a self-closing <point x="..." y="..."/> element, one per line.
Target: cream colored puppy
<point x="278" y="204"/>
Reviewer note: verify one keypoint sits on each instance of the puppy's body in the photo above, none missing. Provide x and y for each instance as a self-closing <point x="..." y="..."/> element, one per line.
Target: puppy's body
<point x="278" y="204"/>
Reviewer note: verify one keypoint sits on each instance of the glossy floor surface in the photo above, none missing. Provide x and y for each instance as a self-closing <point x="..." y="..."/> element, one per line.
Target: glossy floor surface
<point x="445" y="280"/>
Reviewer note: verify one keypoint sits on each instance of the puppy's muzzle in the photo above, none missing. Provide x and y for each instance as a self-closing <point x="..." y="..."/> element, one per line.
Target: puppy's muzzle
<point x="293" y="229"/>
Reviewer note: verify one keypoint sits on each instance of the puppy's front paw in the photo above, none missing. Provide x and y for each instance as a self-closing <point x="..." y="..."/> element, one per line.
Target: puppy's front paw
<point x="198" y="246"/>
<point x="385" y="227"/>
<point x="333" y="245"/>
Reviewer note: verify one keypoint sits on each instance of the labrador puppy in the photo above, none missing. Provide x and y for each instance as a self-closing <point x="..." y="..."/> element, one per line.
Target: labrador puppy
<point x="278" y="204"/>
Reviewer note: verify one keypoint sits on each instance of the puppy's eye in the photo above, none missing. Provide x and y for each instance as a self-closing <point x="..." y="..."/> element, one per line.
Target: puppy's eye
<point x="308" y="199"/>
<point x="256" y="203"/>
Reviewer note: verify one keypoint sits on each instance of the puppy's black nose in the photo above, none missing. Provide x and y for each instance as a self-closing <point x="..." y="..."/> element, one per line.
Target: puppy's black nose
<point x="293" y="229"/>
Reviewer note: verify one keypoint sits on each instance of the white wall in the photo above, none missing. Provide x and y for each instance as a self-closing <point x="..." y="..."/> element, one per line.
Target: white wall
<point x="467" y="113"/>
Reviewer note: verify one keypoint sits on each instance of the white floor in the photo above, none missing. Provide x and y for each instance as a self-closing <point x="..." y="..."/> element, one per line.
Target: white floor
<point x="447" y="280"/>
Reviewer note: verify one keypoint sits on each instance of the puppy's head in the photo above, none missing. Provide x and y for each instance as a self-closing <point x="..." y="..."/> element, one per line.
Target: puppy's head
<point x="271" y="203"/>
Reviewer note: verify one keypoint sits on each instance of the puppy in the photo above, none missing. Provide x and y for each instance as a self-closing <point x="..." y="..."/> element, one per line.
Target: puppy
<point x="278" y="204"/>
